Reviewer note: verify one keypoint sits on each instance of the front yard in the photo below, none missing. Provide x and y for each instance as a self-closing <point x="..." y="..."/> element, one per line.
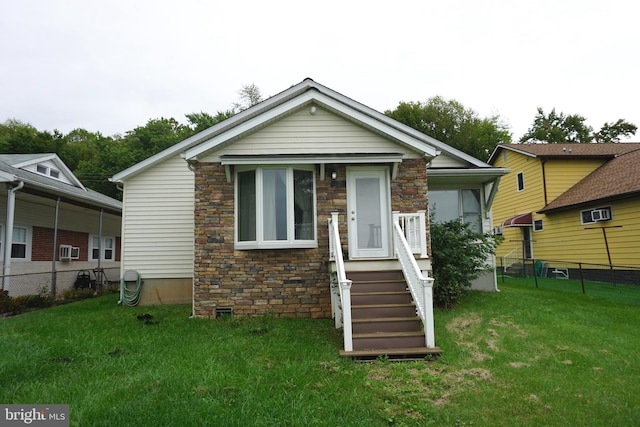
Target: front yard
<point x="524" y="356"/>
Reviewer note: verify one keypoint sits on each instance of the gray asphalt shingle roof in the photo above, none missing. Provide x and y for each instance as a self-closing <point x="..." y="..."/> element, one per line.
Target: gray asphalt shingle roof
<point x="52" y="187"/>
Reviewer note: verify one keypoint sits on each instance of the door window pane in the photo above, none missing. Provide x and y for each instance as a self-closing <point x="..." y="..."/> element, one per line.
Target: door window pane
<point x="368" y="213"/>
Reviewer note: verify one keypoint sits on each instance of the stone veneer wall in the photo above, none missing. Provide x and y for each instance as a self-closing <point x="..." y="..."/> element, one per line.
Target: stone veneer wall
<point x="283" y="282"/>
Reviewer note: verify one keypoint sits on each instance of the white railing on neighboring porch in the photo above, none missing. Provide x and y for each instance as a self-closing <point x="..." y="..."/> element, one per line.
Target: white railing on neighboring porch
<point x="341" y="286"/>
<point x="414" y="229"/>
<point x="420" y="285"/>
<point x="512" y="257"/>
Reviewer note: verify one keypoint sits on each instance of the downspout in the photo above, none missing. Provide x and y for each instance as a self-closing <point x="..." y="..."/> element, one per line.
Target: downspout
<point x="100" y="240"/>
<point x="54" y="273"/>
<point x="544" y="181"/>
<point x="8" y="233"/>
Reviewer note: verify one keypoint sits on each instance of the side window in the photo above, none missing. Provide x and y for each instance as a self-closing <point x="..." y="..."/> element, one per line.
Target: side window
<point x="591" y="216"/>
<point x="107" y="248"/>
<point x="19" y="246"/>
<point x="538" y="225"/>
<point x="448" y="205"/>
<point x="520" y="179"/>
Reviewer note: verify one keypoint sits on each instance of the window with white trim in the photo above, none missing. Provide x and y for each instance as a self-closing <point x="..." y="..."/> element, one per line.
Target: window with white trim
<point x="538" y="225"/>
<point x="20" y="245"/>
<point x="591" y="216"/>
<point x="457" y="204"/>
<point x="275" y="207"/>
<point x="48" y="171"/>
<point x="107" y="248"/>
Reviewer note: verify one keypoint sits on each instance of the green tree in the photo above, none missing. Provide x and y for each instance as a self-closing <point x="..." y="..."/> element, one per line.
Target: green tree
<point x="612" y="132"/>
<point x="17" y="137"/>
<point x="450" y="122"/>
<point x="558" y="128"/>
<point x="201" y="121"/>
<point x="459" y="255"/>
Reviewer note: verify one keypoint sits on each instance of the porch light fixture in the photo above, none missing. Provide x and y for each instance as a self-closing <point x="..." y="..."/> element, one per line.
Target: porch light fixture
<point x="334" y="175"/>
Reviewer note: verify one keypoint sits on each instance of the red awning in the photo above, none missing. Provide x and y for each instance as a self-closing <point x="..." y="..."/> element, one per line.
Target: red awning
<point x="522" y="220"/>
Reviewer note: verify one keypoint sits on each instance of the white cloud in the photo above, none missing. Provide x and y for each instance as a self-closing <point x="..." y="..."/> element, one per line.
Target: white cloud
<point x="111" y="66"/>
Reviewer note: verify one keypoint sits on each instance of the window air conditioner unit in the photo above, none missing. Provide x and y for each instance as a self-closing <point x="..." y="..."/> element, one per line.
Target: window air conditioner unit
<point x="600" y="215"/>
<point x="68" y="252"/>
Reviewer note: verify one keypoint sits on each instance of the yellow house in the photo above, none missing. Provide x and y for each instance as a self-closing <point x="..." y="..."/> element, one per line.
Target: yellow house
<point x="571" y="203"/>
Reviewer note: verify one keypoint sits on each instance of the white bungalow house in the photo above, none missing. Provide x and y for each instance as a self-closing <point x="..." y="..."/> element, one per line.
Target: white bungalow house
<point x="55" y="225"/>
<point x="300" y="206"/>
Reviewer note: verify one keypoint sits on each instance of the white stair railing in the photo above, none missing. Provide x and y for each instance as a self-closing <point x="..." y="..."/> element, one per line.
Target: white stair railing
<point x="421" y="287"/>
<point x="340" y="285"/>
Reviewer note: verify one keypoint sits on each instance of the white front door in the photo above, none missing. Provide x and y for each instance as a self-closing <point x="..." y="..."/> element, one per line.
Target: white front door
<point x="368" y="212"/>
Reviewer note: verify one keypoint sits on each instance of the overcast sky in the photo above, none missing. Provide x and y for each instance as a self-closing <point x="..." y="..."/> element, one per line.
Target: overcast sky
<point x="109" y="66"/>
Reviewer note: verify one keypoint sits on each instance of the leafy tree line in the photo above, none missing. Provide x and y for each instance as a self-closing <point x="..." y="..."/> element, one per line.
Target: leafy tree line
<point x="462" y="128"/>
<point x="94" y="158"/>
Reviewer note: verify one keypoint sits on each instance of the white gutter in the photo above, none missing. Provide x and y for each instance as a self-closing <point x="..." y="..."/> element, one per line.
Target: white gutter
<point x="8" y="233"/>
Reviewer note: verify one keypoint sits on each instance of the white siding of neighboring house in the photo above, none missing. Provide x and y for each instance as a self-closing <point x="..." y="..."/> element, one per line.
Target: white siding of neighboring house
<point x="158" y="221"/>
<point x="33" y="211"/>
<point x="444" y="161"/>
<point x="320" y="133"/>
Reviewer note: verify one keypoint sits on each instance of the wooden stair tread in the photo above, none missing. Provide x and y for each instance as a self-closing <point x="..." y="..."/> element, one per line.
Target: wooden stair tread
<point x="386" y="319"/>
<point x="378" y="281"/>
<point x="380" y="293"/>
<point x="388" y="334"/>
<point x="391" y="352"/>
<point x="407" y="304"/>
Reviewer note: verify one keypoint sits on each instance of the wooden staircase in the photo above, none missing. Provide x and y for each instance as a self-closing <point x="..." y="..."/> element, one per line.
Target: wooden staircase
<point x="384" y="318"/>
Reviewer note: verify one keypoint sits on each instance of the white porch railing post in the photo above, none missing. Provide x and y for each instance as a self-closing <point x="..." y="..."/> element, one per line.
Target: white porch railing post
<point x="347" y="330"/>
<point x="423" y="233"/>
<point x="342" y="308"/>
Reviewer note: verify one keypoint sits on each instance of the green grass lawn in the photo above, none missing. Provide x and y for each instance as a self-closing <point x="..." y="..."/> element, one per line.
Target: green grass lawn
<point x="524" y="356"/>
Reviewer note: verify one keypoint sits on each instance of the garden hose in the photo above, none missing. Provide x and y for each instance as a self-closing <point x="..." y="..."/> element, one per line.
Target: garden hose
<point x="130" y="297"/>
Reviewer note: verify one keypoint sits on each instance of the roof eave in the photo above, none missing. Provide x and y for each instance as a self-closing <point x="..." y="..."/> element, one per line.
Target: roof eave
<point x="582" y="204"/>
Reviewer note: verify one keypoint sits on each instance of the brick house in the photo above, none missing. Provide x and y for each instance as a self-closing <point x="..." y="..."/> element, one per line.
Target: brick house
<point x="239" y="218"/>
<point x="54" y="224"/>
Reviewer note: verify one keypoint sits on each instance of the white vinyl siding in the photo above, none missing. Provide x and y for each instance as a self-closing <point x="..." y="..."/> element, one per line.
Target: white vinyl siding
<point x="444" y="161"/>
<point x="42" y="213"/>
<point x="321" y="133"/>
<point x="158" y="221"/>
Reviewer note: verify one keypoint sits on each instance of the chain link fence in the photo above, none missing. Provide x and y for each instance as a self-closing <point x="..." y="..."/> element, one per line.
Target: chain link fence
<point x="595" y="279"/>
<point x="55" y="284"/>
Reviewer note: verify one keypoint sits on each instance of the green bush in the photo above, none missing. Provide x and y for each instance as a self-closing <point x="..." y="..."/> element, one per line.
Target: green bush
<point x="19" y="304"/>
<point x="459" y="256"/>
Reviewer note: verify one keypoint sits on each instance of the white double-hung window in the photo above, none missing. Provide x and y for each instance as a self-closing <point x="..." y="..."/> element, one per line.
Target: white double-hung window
<point x="95" y="248"/>
<point x="275" y="207"/>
